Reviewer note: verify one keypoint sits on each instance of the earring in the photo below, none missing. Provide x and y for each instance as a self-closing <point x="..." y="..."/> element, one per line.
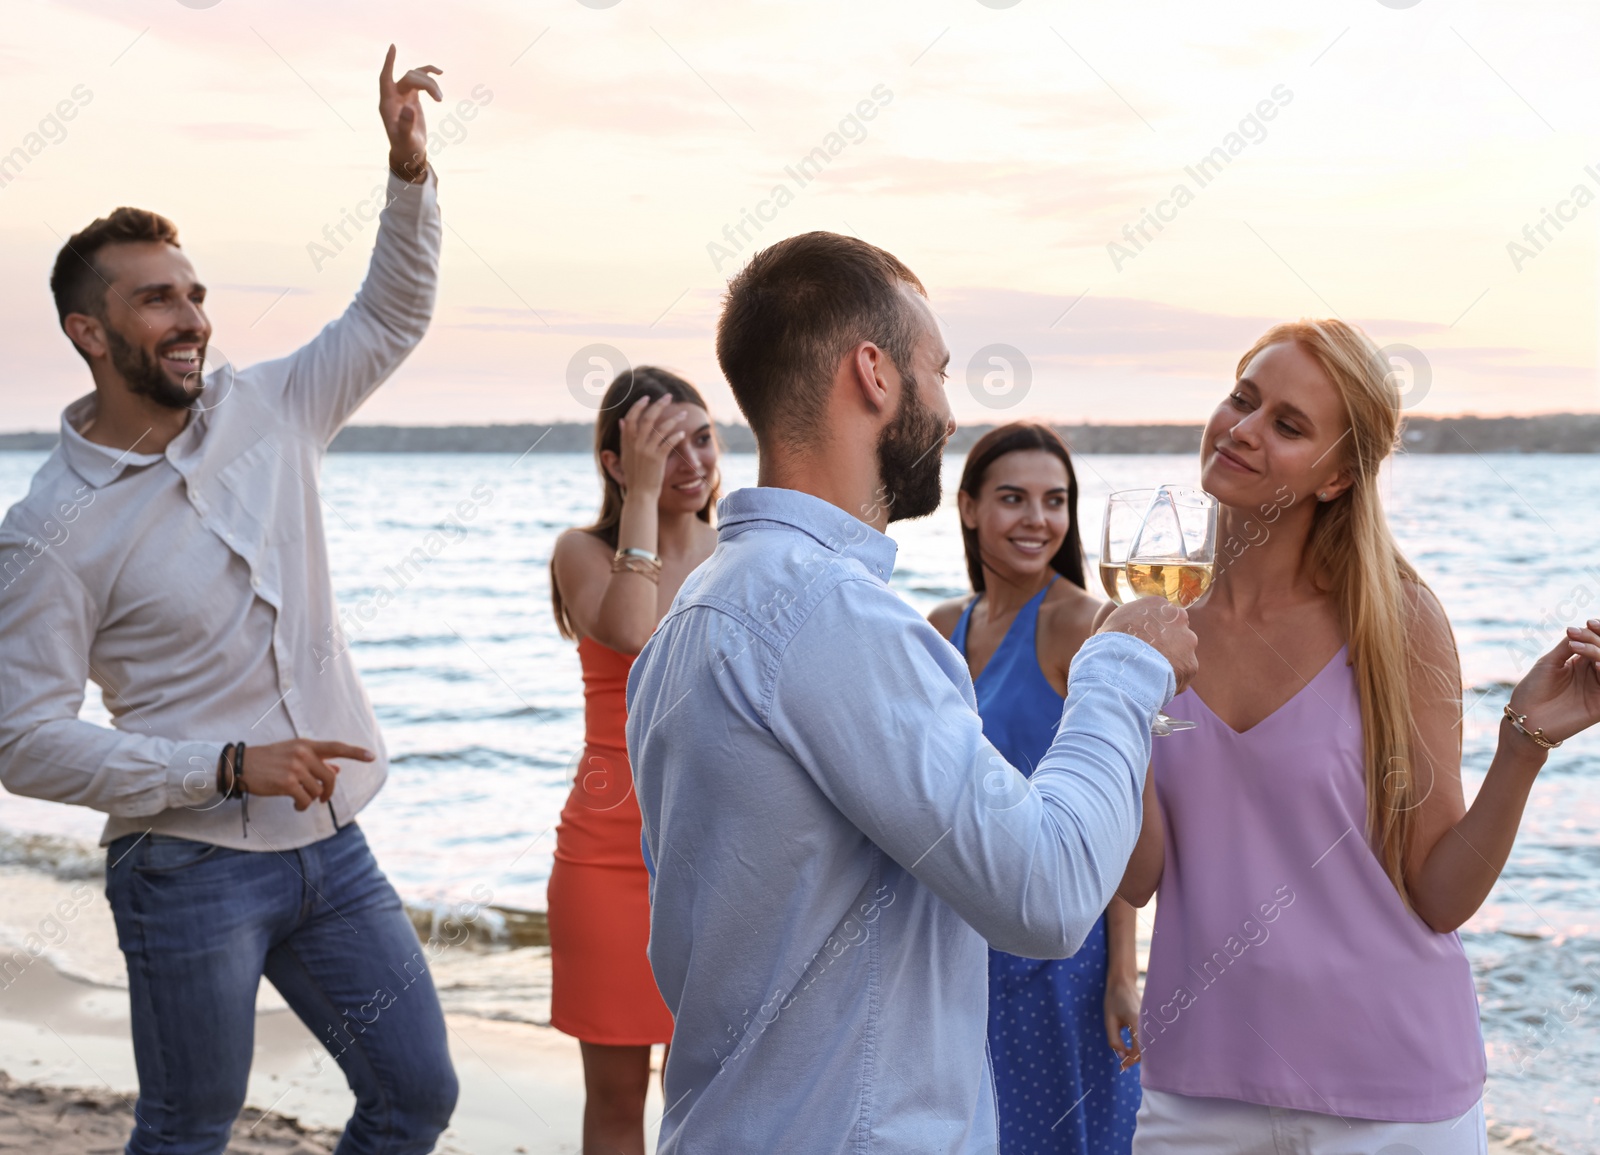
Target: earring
<point x="1322" y="497"/>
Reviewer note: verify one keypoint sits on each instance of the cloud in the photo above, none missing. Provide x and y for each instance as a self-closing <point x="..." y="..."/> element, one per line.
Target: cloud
<point x="239" y="131"/>
<point x="1140" y="335"/>
<point x="1094" y="330"/>
<point x="275" y="290"/>
<point x="680" y="323"/>
<point x="607" y="159"/>
<point x="1036" y="189"/>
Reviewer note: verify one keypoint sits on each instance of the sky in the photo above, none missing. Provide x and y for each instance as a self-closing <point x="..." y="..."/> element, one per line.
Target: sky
<point x="1428" y="170"/>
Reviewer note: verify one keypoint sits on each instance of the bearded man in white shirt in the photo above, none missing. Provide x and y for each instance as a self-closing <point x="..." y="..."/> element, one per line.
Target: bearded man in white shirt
<point x="171" y="550"/>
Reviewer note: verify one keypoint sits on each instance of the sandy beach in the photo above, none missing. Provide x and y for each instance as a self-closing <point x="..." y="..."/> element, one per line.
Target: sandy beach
<point x="67" y="1076"/>
<point x="67" y="1055"/>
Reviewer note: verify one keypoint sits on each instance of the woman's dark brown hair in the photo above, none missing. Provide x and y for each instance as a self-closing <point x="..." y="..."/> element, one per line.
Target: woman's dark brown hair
<point x="1013" y="438"/>
<point x="621" y="396"/>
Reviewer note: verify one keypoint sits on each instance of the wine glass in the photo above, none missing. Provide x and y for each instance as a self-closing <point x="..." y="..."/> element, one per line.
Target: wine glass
<point x="1174" y="556"/>
<point x="1124" y="514"/>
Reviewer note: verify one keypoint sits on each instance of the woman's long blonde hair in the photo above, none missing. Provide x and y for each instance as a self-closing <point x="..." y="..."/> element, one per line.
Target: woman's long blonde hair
<point x="1353" y="556"/>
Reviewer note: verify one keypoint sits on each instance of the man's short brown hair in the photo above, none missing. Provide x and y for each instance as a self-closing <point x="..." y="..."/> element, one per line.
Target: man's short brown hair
<point x="77" y="281"/>
<point x="794" y="311"/>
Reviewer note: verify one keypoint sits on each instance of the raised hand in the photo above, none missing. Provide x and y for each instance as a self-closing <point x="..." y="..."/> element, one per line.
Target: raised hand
<point x="1561" y="693"/>
<point x="401" y="108"/>
<point x="650" y="433"/>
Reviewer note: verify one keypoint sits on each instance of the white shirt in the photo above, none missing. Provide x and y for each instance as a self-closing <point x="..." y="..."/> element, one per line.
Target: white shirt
<point x="192" y="585"/>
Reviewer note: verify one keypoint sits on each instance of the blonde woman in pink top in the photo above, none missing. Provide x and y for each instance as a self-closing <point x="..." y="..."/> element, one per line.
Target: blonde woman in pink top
<point x="1311" y="849"/>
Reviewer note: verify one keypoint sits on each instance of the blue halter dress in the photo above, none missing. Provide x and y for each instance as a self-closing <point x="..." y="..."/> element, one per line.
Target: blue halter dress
<point x="1057" y="1080"/>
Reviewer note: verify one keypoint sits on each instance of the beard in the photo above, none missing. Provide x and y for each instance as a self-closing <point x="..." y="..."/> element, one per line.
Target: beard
<point x="143" y="372"/>
<point x="911" y="456"/>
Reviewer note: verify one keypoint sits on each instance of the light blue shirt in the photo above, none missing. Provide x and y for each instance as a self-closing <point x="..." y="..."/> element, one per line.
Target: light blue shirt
<point x="835" y="842"/>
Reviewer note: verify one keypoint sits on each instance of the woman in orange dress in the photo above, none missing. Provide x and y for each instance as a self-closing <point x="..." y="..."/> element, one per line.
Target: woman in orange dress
<point x="611" y="583"/>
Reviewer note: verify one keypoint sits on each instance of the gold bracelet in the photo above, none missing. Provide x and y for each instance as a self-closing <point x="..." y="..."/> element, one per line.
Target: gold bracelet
<point x="1518" y="724"/>
<point x="631" y="563"/>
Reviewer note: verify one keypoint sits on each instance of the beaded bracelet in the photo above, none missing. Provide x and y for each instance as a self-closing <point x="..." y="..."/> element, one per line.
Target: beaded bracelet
<point x="230" y="780"/>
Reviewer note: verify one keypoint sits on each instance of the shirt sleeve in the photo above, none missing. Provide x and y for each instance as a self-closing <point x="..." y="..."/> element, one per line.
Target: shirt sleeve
<point x="877" y="708"/>
<point x="47" y="624"/>
<point x="328" y="379"/>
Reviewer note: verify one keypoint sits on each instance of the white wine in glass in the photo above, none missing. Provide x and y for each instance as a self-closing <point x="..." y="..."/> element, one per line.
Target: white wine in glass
<point x="1124" y="514"/>
<point x="1181" y="582"/>
<point x="1114" y="579"/>
<point x="1174" y="556"/>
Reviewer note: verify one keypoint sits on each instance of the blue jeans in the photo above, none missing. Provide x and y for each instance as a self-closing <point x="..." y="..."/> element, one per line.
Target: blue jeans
<point x="200" y="924"/>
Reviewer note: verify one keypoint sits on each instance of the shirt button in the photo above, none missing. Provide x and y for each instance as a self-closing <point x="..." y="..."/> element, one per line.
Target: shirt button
<point x="255" y="583"/>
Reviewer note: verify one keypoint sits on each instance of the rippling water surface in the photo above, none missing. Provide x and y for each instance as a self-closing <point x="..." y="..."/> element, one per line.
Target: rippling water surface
<point x="481" y="701"/>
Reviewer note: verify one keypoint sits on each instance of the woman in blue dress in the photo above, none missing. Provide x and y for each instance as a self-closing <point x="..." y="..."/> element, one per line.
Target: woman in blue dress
<point x="1056" y="1026"/>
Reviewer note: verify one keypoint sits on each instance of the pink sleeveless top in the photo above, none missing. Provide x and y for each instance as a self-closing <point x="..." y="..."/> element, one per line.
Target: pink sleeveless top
<point x="1284" y="969"/>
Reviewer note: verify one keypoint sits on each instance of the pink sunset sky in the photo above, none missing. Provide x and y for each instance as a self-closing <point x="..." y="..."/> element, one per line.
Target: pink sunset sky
<point x="1425" y="170"/>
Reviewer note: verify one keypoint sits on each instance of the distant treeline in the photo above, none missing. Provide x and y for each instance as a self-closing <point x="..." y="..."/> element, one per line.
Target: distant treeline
<point x="1551" y="433"/>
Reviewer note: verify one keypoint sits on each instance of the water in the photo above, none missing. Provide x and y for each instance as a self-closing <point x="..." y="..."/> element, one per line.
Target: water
<point x="481" y="700"/>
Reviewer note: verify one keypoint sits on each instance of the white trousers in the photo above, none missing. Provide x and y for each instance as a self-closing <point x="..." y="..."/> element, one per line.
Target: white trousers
<point x="1199" y="1126"/>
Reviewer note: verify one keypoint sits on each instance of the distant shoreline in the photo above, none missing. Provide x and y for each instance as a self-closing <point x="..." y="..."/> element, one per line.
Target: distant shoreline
<point x="1547" y="433"/>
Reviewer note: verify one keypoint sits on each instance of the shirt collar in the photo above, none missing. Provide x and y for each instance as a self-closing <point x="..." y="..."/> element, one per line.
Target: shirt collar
<point x="827" y="523"/>
<point x="99" y="465"/>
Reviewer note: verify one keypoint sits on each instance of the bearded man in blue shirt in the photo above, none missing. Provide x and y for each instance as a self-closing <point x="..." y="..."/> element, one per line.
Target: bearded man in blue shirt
<point x="835" y="843"/>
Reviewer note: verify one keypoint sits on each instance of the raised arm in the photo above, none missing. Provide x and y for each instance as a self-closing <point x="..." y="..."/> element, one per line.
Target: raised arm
<point x="1456" y="853"/>
<point x="621" y="609"/>
<point x="888" y="735"/>
<point x="327" y="380"/>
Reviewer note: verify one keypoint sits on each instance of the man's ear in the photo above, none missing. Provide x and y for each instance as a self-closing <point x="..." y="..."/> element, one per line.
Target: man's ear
<point x="87" y="332"/>
<point x="868" y="367"/>
<point x="611" y="462"/>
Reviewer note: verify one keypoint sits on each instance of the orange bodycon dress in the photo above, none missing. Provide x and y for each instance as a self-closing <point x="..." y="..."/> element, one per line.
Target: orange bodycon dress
<point x="599" y="896"/>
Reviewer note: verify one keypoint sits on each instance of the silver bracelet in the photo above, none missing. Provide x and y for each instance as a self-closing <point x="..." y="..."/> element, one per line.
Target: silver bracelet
<point x="642" y="554"/>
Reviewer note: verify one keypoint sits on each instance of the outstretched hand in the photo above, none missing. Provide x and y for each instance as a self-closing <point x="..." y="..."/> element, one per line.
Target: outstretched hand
<point x="401" y="108"/>
<point x="1561" y="693"/>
